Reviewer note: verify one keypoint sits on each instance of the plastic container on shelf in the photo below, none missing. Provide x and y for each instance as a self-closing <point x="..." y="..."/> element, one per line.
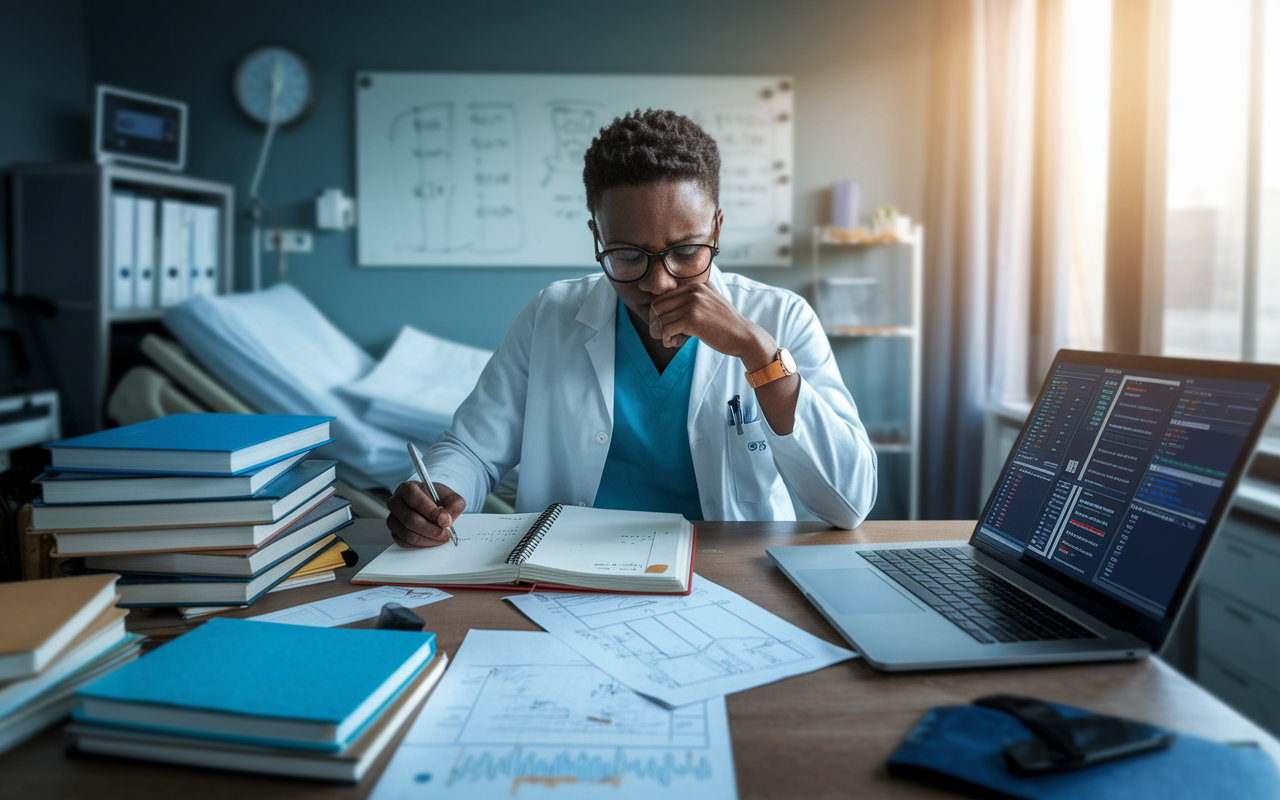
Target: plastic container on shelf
<point x="845" y="301"/>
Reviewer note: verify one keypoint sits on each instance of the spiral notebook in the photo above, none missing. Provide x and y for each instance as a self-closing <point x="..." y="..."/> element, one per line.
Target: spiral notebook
<point x="564" y="547"/>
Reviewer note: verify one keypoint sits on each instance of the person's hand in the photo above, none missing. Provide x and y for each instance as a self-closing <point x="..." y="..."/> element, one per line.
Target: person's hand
<point x="416" y="520"/>
<point x="697" y="309"/>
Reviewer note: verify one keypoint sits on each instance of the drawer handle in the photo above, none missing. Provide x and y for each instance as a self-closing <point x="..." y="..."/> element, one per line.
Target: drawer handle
<point x="1240" y="615"/>
<point x="1240" y="551"/>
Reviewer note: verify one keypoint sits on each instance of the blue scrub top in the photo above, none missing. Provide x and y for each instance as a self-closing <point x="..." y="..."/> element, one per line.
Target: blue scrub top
<point x="649" y="467"/>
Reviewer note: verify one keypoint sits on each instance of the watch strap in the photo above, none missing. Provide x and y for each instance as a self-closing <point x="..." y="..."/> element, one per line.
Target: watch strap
<point x="769" y="372"/>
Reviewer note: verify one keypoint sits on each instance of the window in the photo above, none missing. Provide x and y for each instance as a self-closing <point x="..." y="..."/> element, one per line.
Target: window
<point x="1222" y="181"/>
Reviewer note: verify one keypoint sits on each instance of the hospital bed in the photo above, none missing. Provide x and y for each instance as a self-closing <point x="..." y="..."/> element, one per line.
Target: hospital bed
<point x="274" y="352"/>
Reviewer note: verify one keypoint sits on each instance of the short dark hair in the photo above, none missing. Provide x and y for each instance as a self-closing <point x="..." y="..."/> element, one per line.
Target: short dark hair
<point x="647" y="147"/>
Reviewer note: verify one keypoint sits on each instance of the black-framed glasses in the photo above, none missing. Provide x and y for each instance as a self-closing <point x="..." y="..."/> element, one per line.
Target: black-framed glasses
<point x="631" y="264"/>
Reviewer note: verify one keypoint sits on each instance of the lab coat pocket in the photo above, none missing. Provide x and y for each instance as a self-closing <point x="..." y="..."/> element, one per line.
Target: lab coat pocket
<point x="751" y="463"/>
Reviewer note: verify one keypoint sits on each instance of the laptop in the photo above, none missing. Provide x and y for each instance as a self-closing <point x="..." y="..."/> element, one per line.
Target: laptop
<point x="1092" y="537"/>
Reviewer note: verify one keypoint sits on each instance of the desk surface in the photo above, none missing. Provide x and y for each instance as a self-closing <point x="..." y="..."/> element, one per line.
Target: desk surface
<point x="824" y="734"/>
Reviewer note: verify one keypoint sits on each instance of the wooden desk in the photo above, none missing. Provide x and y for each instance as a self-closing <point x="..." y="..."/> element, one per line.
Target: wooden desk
<point x="825" y="734"/>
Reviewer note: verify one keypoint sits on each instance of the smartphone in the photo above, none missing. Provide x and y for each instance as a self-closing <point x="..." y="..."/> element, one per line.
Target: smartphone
<point x="1097" y="739"/>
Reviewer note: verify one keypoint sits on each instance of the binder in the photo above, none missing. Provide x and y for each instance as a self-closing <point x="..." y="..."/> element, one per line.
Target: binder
<point x="175" y="252"/>
<point x="122" y="250"/>
<point x="144" y="268"/>
<point x="204" y="249"/>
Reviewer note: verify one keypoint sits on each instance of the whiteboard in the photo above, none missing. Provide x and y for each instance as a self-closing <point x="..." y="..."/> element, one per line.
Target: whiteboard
<point x="468" y="169"/>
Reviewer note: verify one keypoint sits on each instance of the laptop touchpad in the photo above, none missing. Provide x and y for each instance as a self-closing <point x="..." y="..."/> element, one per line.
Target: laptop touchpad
<point x="856" y="591"/>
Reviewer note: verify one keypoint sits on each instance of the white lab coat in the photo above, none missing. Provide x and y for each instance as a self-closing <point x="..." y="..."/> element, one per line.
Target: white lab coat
<point x="545" y="402"/>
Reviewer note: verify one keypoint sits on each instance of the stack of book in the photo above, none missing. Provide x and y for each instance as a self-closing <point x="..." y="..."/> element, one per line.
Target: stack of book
<point x="55" y="636"/>
<point x="197" y="511"/>
<point x="320" y="703"/>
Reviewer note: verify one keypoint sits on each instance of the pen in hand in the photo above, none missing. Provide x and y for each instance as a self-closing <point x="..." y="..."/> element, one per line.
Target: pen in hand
<point x="422" y="473"/>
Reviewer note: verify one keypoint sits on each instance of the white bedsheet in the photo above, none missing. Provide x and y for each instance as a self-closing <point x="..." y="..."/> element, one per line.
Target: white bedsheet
<point x="419" y="384"/>
<point x="277" y="351"/>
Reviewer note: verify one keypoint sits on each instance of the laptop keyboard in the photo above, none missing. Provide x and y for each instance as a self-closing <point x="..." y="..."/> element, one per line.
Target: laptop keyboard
<point x="984" y="606"/>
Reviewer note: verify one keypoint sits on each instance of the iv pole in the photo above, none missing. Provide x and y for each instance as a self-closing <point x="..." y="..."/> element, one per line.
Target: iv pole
<point x="257" y="205"/>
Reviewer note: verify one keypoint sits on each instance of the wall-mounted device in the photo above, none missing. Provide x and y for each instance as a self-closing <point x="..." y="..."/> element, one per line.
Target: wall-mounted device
<point x="335" y="211"/>
<point x="135" y="128"/>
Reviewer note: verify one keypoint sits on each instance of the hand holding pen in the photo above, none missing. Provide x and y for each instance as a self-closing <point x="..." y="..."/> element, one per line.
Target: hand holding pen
<point x="422" y="514"/>
<point x="431" y="487"/>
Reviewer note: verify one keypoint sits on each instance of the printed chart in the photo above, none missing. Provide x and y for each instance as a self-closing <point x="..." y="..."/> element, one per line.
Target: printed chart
<point x="521" y="715"/>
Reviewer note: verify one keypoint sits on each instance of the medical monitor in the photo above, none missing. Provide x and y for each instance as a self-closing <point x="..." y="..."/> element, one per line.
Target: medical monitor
<point x="140" y="129"/>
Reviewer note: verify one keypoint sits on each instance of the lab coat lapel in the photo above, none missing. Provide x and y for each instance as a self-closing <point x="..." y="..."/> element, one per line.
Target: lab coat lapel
<point x="600" y="312"/>
<point x="708" y="362"/>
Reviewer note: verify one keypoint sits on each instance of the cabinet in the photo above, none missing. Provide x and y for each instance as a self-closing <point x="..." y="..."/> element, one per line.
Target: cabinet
<point x="62" y="262"/>
<point x="869" y="299"/>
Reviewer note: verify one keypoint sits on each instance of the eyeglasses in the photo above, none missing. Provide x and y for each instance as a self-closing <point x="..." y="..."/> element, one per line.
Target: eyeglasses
<point x="631" y="264"/>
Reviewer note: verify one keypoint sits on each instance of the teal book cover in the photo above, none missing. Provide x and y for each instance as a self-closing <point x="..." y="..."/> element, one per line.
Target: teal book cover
<point x="224" y="433"/>
<point x="267" y="670"/>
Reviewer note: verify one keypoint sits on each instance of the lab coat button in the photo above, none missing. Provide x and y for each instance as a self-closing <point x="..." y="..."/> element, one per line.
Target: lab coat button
<point x="602" y="437"/>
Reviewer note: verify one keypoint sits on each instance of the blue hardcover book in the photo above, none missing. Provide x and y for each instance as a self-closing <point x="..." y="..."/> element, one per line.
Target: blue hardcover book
<point x="62" y="488"/>
<point x="962" y="748"/>
<point x="193" y="444"/>
<point x="261" y="682"/>
<point x="302" y="482"/>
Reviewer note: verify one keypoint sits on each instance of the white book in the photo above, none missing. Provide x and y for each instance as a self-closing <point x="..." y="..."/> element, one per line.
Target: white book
<point x="586" y="548"/>
<point x="144" y="270"/>
<point x="159" y="540"/>
<point x="175" y="252"/>
<point x="122" y="250"/>
<point x="205" y="225"/>
<point x="326" y="518"/>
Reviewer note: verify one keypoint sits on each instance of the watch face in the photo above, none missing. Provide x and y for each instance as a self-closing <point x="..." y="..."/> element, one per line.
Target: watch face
<point x="279" y="71"/>
<point x="788" y="363"/>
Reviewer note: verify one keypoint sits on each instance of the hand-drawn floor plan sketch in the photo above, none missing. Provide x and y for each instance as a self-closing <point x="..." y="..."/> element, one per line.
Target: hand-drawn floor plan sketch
<point x="680" y="650"/>
<point x="519" y="714"/>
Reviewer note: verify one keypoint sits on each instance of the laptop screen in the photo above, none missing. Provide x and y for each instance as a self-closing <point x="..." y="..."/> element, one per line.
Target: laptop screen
<point x="1116" y="477"/>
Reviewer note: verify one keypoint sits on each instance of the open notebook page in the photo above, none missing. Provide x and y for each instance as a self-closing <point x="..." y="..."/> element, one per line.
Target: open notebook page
<point x="619" y="550"/>
<point x="484" y="542"/>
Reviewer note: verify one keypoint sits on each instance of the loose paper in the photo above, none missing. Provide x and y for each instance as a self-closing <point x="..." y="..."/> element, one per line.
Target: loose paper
<point x="347" y="608"/>
<point x="519" y="714"/>
<point x="681" y="650"/>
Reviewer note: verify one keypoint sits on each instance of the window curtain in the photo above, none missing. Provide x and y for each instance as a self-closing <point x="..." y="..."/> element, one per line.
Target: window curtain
<point x="978" y="215"/>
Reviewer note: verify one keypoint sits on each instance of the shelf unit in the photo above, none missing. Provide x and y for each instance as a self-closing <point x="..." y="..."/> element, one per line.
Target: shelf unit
<point x="904" y="325"/>
<point x="62" y="255"/>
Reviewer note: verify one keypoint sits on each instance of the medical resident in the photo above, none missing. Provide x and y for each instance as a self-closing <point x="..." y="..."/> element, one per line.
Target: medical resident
<point x="661" y="383"/>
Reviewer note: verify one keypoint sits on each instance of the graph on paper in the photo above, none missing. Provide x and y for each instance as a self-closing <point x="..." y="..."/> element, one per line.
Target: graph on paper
<point x="519" y="713"/>
<point x="681" y="650"/>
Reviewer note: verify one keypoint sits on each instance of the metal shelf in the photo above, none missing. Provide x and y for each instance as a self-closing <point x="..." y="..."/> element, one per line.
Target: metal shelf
<point x="909" y="311"/>
<point x="868" y="331"/>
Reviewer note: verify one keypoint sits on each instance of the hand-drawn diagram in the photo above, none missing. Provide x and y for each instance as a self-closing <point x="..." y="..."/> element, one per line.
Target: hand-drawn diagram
<point x="519" y="712"/>
<point x="574" y="124"/>
<point x="680" y="650"/>
<point x="458" y="177"/>
<point x="468" y="169"/>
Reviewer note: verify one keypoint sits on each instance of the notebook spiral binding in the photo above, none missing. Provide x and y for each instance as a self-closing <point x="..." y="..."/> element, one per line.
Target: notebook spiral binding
<point x="530" y="540"/>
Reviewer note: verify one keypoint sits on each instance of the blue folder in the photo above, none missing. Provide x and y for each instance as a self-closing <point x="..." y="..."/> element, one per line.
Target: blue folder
<point x="962" y="748"/>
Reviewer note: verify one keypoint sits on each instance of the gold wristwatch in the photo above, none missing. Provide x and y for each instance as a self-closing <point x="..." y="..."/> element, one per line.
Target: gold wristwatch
<point x="781" y="366"/>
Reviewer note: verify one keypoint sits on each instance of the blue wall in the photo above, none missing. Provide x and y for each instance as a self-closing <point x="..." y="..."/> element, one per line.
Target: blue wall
<point x="860" y="66"/>
<point x="44" y="91"/>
